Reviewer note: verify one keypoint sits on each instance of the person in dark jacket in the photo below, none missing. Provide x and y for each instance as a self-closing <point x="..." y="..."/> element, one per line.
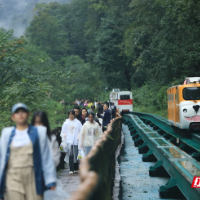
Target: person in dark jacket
<point x="113" y="110"/>
<point x="106" y="117"/>
<point x="99" y="110"/>
<point x="78" y="115"/>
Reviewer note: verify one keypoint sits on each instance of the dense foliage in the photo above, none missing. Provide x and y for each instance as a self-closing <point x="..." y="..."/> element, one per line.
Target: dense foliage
<point x="146" y="44"/>
<point x="76" y="50"/>
<point x="24" y="75"/>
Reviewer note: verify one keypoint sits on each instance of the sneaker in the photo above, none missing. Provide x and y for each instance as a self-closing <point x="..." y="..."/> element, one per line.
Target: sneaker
<point x="76" y="171"/>
<point x="71" y="172"/>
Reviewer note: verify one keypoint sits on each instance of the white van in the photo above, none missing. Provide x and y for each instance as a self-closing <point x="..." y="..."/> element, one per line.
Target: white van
<point x="123" y="100"/>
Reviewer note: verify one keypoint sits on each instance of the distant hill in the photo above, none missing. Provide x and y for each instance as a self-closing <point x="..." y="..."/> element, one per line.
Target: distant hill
<point x="17" y="14"/>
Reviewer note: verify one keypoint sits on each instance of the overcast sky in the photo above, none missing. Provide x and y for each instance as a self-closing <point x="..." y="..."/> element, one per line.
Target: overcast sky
<point x="17" y="14"/>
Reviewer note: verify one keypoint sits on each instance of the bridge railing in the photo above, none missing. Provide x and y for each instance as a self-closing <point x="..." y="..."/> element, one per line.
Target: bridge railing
<point x="97" y="169"/>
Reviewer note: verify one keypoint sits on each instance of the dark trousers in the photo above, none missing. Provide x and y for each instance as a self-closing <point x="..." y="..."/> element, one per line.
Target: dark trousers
<point x="113" y="115"/>
<point x="72" y="166"/>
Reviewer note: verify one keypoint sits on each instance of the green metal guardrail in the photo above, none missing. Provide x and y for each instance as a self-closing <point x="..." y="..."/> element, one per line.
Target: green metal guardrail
<point x="190" y="145"/>
<point x="171" y="160"/>
<point x="97" y="170"/>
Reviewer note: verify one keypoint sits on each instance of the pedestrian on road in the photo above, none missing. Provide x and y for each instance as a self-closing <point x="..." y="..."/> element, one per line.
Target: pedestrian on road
<point x="82" y="103"/>
<point x="89" y="104"/>
<point x="106" y="117"/>
<point x="40" y="119"/>
<point x="26" y="163"/>
<point x="95" y="103"/>
<point x="99" y="110"/>
<point x="86" y="103"/>
<point x="77" y="110"/>
<point x="77" y="102"/>
<point x="92" y="109"/>
<point x="91" y="132"/>
<point x="70" y="131"/>
<point x="113" y="110"/>
<point x="84" y="113"/>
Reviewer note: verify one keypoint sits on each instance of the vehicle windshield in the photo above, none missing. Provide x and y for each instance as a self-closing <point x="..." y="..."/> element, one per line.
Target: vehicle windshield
<point x="124" y="97"/>
<point x="191" y="93"/>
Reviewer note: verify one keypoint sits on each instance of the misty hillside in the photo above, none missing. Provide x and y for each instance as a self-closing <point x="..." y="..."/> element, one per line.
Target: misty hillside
<point x="17" y="14"/>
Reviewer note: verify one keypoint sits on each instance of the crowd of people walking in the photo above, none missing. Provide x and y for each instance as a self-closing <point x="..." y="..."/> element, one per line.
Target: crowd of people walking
<point x="83" y="128"/>
<point x="29" y="153"/>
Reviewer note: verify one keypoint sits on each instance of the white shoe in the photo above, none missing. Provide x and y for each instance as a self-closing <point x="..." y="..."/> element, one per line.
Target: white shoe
<point x="76" y="171"/>
<point x="71" y="172"/>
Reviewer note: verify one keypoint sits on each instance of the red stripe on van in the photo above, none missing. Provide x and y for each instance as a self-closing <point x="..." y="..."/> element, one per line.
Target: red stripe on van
<point x="125" y="102"/>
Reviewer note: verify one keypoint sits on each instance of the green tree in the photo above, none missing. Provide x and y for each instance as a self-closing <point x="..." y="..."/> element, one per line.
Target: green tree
<point x="46" y="32"/>
<point x="10" y="56"/>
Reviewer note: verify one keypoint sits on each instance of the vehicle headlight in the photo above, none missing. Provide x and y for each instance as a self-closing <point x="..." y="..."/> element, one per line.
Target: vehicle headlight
<point x="184" y="110"/>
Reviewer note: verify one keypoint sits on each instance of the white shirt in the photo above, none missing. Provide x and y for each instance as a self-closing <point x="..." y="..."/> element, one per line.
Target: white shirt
<point x="21" y="138"/>
<point x="91" y="132"/>
<point x="70" y="131"/>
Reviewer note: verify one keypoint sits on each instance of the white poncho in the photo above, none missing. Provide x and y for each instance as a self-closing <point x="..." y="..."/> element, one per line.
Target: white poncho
<point x="69" y="134"/>
<point x="90" y="133"/>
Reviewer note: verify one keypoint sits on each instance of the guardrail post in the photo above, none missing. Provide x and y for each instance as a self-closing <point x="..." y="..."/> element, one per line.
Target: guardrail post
<point x="158" y="170"/>
<point x="196" y="155"/>
<point x="160" y="131"/>
<point x="149" y="157"/>
<point x="138" y="141"/>
<point x="171" y="190"/>
<point x="167" y="136"/>
<point x="135" y="136"/>
<point x="143" y="148"/>
<point x="127" y="122"/>
<point x="173" y="140"/>
<point x="131" y="128"/>
<point x="155" y="127"/>
<point x="133" y="131"/>
<point x="151" y="124"/>
<point x="147" y="122"/>
<point x="186" y="148"/>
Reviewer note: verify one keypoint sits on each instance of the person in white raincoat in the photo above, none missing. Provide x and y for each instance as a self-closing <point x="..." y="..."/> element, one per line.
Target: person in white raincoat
<point x="90" y="133"/>
<point x="69" y="134"/>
